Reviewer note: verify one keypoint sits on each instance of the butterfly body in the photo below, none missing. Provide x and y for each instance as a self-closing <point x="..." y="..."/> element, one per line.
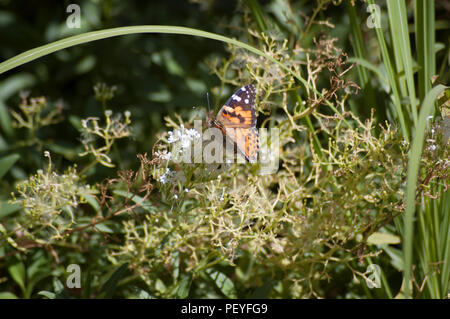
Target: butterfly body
<point x="237" y="120"/>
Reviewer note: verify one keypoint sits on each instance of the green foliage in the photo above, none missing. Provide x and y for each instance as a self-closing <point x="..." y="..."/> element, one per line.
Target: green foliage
<point x="6" y="163"/>
<point x="161" y="228"/>
<point x="49" y="201"/>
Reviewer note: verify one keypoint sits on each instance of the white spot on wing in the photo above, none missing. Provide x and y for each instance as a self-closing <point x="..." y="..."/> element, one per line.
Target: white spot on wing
<point x="236" y="98"/>
<point x="246" y="101"/>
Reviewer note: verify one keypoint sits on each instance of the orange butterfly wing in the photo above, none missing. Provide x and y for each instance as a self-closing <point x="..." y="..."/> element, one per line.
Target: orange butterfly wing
<point x="237" y="119"/>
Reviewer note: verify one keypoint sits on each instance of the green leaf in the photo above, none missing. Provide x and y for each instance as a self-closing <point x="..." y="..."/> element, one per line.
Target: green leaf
<point x="85" y="65"/>
<point x="60" y="292"/>
<point x="17" y="272"/>
<point x="57" y="285"/>
<point x="91" y="201"/>
<point x="383" y="238"/>
<point x="176" y="265"/>
<point x="36" y="271"/>
<point x="7" y="162"/>
<point x="75" y="121"/>
<point x="69" y="151"/>
<point x="263" y="291"/>
<point x="182" y="290"/>
<point x="7" y="208"/>
<point x="396" y="257"/>
<point x="144" y="295"/>
<point x="171" y="64"/>
<point x="160" y="286"/>
<point x="7" y="295"/>
<point x="5" y="119"/>
<point x="103" y="228"/>
<point x="364" y="63"/>
<point x="15" y="83"/>
<point x="9" y="87"/>
<point x="38" y="265"/>
<point x="222" y="282"/>
<point x="48" y="294"/>
<point x="137" y="200"/>
<point x="87" y="284"/>
<point x="161" y="96"/>
<point x="107" y="290"/>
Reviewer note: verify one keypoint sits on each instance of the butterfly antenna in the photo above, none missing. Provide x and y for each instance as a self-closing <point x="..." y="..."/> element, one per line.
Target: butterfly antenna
<point x="207" y="99"/>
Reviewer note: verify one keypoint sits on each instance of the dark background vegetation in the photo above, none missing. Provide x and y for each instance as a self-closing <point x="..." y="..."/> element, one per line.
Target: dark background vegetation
<point x="155" y="75"/>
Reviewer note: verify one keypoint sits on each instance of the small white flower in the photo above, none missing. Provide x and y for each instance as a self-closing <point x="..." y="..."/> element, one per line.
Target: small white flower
<point x="166" y="176"/>
<point x="173" y="137"/>
<point x="175" y="196"/>
<point x="186" y="190"/>
<point x="192" y="133"/>
<point x="162" y="179"/>
<point x="164" y="155"/>
<point x="404" y="143"/>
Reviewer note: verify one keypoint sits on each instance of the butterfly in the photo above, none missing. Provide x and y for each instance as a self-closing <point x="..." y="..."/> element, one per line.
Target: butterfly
<point x="237" y="120"/>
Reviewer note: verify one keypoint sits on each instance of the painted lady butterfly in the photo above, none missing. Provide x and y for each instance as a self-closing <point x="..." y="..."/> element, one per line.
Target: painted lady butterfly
<point x="237" y="120"/>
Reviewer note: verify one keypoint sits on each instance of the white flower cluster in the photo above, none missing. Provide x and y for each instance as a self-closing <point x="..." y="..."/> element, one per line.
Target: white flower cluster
<point x="184" y="136"/>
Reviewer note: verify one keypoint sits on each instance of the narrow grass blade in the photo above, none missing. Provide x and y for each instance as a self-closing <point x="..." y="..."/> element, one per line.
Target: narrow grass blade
<point x="425" y="44"/>
<point x="411" y="182"/>
<point x="402" y="49"/>
<point x="396" y="99"/>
